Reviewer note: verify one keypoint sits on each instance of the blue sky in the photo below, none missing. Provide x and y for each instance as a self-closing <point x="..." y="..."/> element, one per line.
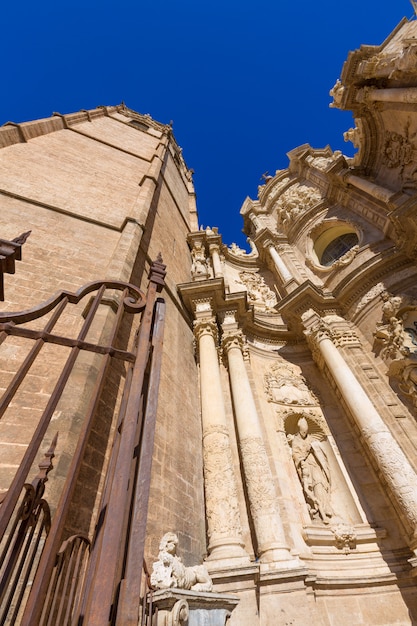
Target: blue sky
<point x="244" y="82"/>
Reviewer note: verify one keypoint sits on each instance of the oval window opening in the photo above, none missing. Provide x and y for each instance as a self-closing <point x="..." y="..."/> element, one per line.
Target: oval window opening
<point x="338" y="247"/>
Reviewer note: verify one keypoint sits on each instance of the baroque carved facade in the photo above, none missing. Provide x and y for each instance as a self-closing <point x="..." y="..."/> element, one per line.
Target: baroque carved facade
<point x="285" y="449"/>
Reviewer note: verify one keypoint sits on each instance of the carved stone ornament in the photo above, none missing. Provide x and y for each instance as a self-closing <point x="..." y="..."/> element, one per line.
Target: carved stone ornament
<point x="169" y="571"/>
<point x="337" y="94"/>
<point x="322" y="163"/>
<point x="259" y="294"/>
<point x="283" y="385"/>
<point x="394" y="65"/>
<point x="235" y="250"/>
<point x="222" y="507"/>
<point x="276" y="189"/>
<point x="390" y="331"/>
<point x="375" y="291"/>
<point x="354" y="135"/>
<point x="397" y="151"/>
<point x="345" y="536"/>
<point x="294" y="202"/>
<point x="258" y="477"/>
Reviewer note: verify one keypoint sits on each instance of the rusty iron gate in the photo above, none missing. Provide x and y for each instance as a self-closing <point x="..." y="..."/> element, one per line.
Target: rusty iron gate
<point x="46" y="577"/>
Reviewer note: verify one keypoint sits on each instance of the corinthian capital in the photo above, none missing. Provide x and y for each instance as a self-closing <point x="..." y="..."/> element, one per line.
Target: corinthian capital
<point x="206" y="326"/>
<point x="234" y="339"/>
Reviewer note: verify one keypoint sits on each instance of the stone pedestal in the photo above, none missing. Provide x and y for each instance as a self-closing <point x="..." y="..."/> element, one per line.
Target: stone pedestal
<point x="177" y="607"/>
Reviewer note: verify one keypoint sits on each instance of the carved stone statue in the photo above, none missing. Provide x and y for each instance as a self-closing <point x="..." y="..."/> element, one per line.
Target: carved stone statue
<point x="199" y="269"/>
<point x="312" y="468"/>
<point x="169" y="571"/>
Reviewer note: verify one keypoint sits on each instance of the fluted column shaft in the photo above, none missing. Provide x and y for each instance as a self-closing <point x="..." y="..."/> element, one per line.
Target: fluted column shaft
<point x="222" y="506"/>
<point x="258" y="475"/>
<point x="389" y="457"/>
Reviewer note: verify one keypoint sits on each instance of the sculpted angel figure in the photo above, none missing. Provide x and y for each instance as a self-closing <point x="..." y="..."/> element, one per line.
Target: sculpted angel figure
<point x="312" y="467"/>
<point x="169" y="570"/>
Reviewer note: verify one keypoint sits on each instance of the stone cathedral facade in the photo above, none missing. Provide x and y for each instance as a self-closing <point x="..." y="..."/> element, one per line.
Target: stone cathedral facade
<point x="285" y="452"/>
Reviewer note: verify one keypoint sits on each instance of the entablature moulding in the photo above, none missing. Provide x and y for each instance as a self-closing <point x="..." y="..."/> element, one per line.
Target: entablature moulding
<point x="207" y="299"/>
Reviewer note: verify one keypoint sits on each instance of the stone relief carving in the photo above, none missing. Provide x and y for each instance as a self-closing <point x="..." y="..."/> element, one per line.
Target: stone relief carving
<point x="312" y="467"/>
<point x="276" y="190"/>
<point x="284" y="385"/>
<point x="199" y="267"/>
<point x="345" y="536"/>
<point x="259" y="294"/>
<point x="389" y="331"/>
<point x="393" y="65"/>
<point x="398" y="472"/>
<point x="295" y="201"/>
<point x="222" y="507"/>
<point x="369" y="296"/>
<point x="397" y="150"/>
<point x="169" y="571"/>
<point x="397" y="336"/>
<point x="322" y="163"/>
<point x="258" y="477"/>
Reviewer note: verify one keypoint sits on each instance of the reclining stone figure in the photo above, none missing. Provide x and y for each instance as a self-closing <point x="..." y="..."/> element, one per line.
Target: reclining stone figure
<point x="169" y="571"/>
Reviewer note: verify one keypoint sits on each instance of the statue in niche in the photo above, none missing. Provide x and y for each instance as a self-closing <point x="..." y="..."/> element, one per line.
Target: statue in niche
<point x="169" y="570"/>
<point x="199" y="269"/>
<point x="285" y="386"/>
<point x="312" y="467"/>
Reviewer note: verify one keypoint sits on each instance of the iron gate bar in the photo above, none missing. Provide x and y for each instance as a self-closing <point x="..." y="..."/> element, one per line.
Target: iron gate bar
<point x="67" y="342"/>
<point x="111" y="554"/>
<point x="18" y="481"/>
<point x="30" y="357"/>
<point x="32" y="509"/>
<point x="132" y="304"/>
<point x="129" y="601"/>
<point x="46" y="564"/>
<point x="108" y="485"/>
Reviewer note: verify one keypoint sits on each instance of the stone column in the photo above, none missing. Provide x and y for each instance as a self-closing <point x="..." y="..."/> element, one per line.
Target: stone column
<point x="258" y="476"/>
<point x="222" y="505"/>
<point x="215" y="257"/>
<point x="388" y="456"/>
